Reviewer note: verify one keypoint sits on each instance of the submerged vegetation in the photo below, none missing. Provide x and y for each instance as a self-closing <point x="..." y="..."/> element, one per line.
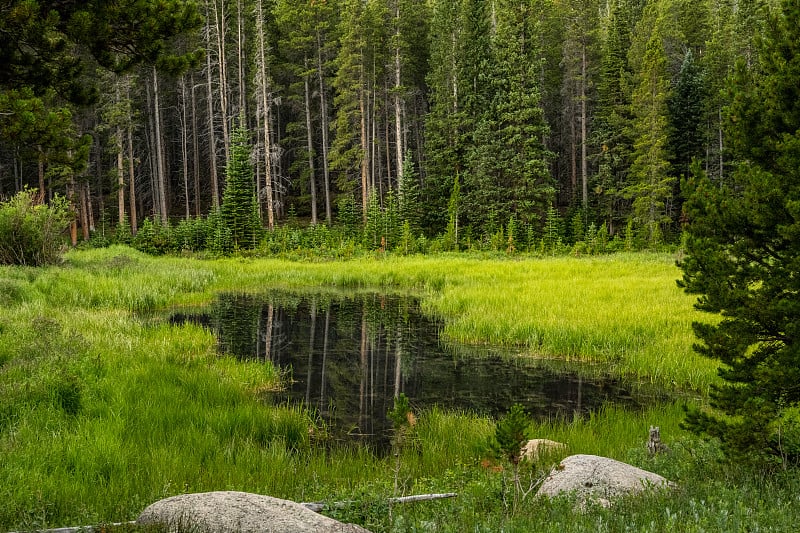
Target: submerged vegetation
<point x="103" y="412"/>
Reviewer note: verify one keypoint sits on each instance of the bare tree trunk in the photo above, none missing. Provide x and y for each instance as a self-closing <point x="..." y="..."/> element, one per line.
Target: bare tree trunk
<point x="73" y="225"/>
<point x="40" y="167"/>
<point x="362" y="105"/>
<point x="184" y="118"/>
<point x="132" y="182"/>
<point x="212" y="135"/>
<point x="221" y="30"/>
<point x="263" y="88"/>
<point x="160" y="162"/>
<point x="584" y="140"/>
<point x="398" y="101"/>
<point x="721" y="148"/>
<point x="573" y="152"/>
<point x="241" y="56"/>
<point x="323" y="113"/>
<point x="195" y="152"/>
<point x="312" y="178"/>
<point x="86" y="223"/>
<point x="120" y="176"/>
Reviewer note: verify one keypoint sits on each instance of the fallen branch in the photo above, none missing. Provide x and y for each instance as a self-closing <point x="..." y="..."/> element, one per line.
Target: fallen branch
<point x="318" y="507"/>
<point x="78" y="529"/>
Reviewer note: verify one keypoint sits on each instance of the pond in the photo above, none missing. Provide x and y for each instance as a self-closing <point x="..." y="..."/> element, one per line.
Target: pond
<point x="347" y="357"/>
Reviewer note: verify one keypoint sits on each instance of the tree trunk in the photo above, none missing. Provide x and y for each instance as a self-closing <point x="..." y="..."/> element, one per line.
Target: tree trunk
<point x="73" y="226"/>
<point x="195" y="153"/>
<point x="132" y="183"/>
<point x="40" y="167"/>
<point x="584" y="140"/>
<point x="263" y="89"/>
<point x="160" y="162"/>
<point x="398" y="111"/>
<point x="323" y="113"/>
<point x="221" y="30"/>
<point x="120" y="177"/>
<point x="312" y="178"/>
<point x="240" y="38"/>
<point x="184" y="118"/>
<point x="85" y="222"/>
<point x="362" y="106"/>
<point x="212" y="135"/>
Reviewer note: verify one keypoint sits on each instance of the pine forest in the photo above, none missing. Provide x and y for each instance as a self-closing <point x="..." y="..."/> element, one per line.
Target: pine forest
<point x="464" y="122"/>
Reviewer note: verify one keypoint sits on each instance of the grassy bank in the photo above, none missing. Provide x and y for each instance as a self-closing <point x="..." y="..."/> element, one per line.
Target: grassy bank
<point x="102" y="414"/>
<point x="622" y="309"/>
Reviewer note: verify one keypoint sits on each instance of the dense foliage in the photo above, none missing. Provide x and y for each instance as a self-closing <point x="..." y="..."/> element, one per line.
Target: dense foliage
<point x="595" y="109"/>
<point x="744" y="257"/>
<point x="33" y="233"/>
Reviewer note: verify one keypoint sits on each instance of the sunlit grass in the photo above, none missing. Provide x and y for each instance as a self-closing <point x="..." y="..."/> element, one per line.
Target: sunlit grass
<point x="622" y="309"/>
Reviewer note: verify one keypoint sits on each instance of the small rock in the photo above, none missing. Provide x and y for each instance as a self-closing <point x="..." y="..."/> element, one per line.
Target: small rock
<point x="598" y="479"/>
<point x="534" y="449"/>
<point x="233" y="512"/>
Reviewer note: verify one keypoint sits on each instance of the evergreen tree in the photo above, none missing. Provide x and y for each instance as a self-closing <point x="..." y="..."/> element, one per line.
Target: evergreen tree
<point x="348" y="154"/>
<point x="612" y="122"/>
<point x="239" y="210"/>
<point x="743" y="254"/>
<point x="651" y="187"/>
<point x="459" y="97"/>
<point x="509" y="171"/>
<point x="47" y="44"/>
<point x="687" y="104"/>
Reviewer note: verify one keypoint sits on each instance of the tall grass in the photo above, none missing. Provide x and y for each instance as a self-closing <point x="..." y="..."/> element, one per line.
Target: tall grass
<point x="624" y="309"/>
<point x="102" y="414"/>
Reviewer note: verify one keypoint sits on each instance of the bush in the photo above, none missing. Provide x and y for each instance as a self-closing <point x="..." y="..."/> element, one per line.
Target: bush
<point x="154" y="238"/>
<point x="31" y="232"/>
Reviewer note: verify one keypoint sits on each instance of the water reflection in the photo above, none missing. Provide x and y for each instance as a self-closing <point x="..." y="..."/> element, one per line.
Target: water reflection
<point x="349" y="356"/>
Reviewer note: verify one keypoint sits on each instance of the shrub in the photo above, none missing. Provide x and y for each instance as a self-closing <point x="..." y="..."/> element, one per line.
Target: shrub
<point x="31" y="232"/>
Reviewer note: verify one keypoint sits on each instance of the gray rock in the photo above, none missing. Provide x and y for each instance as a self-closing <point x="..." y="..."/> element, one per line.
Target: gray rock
<point x="598" y="479"/>
<point x="229" y="512"/>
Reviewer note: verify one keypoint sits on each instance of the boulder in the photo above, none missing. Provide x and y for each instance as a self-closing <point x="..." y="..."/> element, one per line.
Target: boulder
<point x="229" y="512"/>
<point x="598" y="479"/>
<point x="534" y="449"/>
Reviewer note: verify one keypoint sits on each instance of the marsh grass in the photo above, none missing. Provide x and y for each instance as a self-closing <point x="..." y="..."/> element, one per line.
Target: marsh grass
<point x="102" y="412"/>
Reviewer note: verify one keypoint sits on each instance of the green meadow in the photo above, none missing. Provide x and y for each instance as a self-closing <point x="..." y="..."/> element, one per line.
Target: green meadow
<point x="103" y="412"/>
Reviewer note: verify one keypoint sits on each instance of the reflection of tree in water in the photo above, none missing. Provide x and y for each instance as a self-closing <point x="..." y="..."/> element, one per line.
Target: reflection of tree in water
<point x="349" y="356"/>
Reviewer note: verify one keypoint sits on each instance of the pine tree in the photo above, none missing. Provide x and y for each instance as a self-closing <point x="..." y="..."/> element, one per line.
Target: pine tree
<point x="349" y="150"/>
<point x="743" y="251"/>
<point x="239" y="210"/>
<point x="509" y="171"/>
<point x="459" y="96"/>
<point x="651" y="187"/>
<point x="612" y="122"/>
<point x="687" y="105"/>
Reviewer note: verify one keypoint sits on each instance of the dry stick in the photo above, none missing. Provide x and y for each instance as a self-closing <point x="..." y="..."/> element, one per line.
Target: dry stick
<point x="320" y="506"/>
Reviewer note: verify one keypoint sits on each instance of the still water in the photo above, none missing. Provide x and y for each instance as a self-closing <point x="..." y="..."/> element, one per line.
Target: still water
<point x="349" y="355"/>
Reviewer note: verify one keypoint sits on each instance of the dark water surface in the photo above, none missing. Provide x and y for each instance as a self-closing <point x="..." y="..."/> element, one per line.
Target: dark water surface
<point x="348" y="356"/>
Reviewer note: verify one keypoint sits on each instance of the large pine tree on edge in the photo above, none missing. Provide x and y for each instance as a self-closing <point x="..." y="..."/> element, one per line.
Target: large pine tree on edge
<point x="744" y="259"/>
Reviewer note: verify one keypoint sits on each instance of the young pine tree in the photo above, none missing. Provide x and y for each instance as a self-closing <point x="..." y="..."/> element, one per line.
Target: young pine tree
<point x="239" y="211"/>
